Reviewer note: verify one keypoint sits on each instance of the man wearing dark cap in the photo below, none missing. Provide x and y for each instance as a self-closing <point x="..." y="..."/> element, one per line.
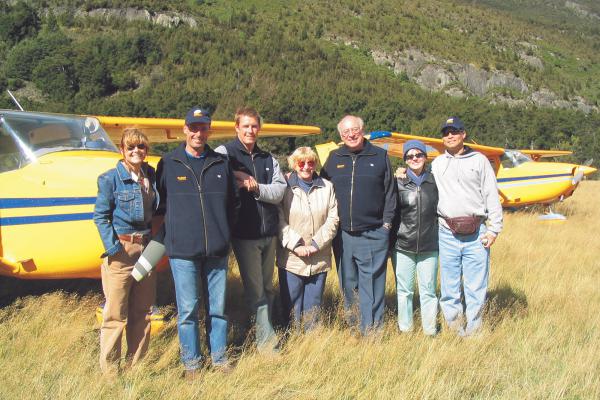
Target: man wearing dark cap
<point x="470" y="219"/>
<point x="200" y="200"/>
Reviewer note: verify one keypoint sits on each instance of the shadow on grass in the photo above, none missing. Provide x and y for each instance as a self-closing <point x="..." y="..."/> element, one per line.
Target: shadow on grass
<point x="12" y="288"/>
<point x="503" y="303"/>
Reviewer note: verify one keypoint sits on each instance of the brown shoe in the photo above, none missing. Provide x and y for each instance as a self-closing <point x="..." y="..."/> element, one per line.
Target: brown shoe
<point x="191" y="375"/>
<point x="224" y="368"/>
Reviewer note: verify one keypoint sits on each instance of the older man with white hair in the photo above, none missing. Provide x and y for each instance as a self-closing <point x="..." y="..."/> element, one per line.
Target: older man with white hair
<point x="366" y="193"/>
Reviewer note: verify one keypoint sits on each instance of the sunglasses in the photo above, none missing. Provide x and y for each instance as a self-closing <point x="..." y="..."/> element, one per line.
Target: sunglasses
<point x="139" y="146"/>
<point x="309" y="164"/>
<point x="451" y="132"/>
<point x="414" y="156"/>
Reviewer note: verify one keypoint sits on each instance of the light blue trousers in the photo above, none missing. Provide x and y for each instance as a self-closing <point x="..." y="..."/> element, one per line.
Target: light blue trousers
<point x="425" y="265"/>
<point x="463" y="255"/>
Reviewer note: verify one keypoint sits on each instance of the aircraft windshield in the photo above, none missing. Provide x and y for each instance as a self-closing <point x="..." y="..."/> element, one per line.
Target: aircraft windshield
<point x="513" y="158"/>
<point x="25" y="136"/>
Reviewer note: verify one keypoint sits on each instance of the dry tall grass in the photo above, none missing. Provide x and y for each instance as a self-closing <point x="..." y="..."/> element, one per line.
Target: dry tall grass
<point x="541" y="337"/>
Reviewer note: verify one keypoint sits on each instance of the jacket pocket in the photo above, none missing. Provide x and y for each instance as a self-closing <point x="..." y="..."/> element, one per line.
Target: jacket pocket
<point x="126" y="201"/>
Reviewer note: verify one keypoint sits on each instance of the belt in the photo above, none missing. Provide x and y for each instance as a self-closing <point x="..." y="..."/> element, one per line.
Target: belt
<point x="137" y="238"/>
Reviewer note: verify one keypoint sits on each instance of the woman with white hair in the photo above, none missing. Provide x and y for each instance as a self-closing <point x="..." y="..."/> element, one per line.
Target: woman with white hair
<point x="308" y="221"/>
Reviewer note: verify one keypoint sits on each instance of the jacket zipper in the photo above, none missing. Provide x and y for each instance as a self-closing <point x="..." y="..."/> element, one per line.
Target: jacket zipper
<point x="199" y="187"/>
<point x="262" y="214"/>
<point x="419" y="216"/>
<point x="352" y="190"/>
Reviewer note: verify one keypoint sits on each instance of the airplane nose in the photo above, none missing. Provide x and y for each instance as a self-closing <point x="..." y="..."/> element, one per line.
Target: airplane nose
<point x="587" y="170"/>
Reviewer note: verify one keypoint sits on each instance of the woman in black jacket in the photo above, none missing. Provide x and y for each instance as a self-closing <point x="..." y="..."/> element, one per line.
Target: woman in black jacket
<point x="416" y="248"/>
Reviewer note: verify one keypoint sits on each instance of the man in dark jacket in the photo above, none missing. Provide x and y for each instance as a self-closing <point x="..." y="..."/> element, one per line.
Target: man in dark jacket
<point x="366" y="193"/>
<point x="198" y="193"/>
<point x="262" y="187"/>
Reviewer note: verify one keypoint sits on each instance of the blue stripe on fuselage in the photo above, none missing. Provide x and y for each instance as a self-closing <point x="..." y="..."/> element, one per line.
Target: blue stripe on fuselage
<point x="524" y="178"/>
<point x="45" y="202"/>
<point x="41" y="219"/>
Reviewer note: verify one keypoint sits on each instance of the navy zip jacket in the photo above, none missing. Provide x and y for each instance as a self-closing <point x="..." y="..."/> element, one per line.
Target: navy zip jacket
<point x="364" y="185"/>
<point x="259" y="216"/>
<point x="200" y="210"/>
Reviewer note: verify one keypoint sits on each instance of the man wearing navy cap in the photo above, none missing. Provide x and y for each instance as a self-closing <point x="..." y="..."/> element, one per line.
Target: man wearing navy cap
<point x="470" y="219"/>
<point x="200" y="201"/>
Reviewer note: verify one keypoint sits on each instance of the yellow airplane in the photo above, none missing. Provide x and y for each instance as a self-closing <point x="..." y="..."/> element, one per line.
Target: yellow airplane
<point x="49" y="164"/>
<point x="522" y="179"/>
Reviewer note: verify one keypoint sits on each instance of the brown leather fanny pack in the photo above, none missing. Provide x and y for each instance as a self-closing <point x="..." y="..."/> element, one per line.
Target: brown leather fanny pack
<point x="463" y="225"/>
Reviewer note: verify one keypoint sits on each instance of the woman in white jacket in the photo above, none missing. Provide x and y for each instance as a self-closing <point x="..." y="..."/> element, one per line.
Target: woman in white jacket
<point x="308" y="221"/>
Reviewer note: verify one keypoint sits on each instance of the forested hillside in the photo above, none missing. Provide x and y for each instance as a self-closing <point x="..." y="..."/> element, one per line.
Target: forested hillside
<point x="520" y="73"/>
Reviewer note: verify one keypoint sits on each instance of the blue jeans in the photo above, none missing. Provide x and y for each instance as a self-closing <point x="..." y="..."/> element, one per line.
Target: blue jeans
<point x="302" y="295"/>
<point x="187" y="274"/>
<point x="426" y="266"/>
<point x="463" y="255"/>
<point x="361" y="260"/>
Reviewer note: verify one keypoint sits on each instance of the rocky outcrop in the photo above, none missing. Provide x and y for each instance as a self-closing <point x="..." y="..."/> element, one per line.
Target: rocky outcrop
<point x="169" y="20"/>
<point x="460" y="80"/>
<point x="580" y="10"/>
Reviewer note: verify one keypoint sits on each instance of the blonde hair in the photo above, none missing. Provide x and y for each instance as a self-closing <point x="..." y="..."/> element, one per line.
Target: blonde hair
<point x="133" y="136"/>
<point x="301" y="154"/>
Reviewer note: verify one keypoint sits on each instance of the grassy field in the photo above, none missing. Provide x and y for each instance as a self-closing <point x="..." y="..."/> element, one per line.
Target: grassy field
<point x="541" y="338"/>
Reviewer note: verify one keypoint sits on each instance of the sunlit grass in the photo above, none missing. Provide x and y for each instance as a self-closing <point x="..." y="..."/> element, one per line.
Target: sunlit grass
<point x="541" y="338"/>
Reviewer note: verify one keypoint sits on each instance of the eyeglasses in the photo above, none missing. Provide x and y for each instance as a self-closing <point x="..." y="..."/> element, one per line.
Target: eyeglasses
<point x="452" y="132"/>
<point x="199" y="127"/>
<point x="348" y="131"/>
<point x="414" y="156"/>
<point x="139" y="146"/>
<point x="309" y="164"/>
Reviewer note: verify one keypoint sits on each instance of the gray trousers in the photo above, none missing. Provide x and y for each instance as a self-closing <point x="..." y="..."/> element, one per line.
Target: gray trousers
<point x="256" y="260"/>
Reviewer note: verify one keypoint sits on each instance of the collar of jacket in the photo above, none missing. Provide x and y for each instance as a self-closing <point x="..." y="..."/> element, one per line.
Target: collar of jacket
<point x="124" y="173"/>
<point x="367" y="150"/>
<point x="179" y="154"/>
<point x="468" y="151"/>
<point x="255" y="150"/>
<point x="294" y="178"/>
<point x="429" y="178"/>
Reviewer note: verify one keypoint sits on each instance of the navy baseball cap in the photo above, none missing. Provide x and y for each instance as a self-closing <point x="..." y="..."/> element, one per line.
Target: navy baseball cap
<point x="454" y="123"/>
<point x="197" y="115"/>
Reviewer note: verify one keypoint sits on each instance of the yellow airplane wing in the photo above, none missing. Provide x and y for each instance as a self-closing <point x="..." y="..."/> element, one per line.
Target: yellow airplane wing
<point x="537" y="154"/>
<point x="165" y="130"/>
<point x="393" y="142"/>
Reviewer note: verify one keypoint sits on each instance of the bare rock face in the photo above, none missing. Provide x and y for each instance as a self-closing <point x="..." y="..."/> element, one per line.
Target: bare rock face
<point x="170" y="20"/>
<point x="461" y="80"/>
<point x="532" y="60"/>
<point x="434" y="78"/>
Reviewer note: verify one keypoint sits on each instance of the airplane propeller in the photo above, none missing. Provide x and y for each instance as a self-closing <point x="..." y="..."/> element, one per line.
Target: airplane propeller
<point x="578" y="176"/>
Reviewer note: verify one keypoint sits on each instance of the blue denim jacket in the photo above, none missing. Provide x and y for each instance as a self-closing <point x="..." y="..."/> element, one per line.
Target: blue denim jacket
<point x="119" y="206"/>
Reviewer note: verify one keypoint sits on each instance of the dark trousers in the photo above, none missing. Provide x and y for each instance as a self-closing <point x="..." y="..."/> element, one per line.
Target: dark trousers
<point x="301" y="297"/>
<point x="361" y="259"/>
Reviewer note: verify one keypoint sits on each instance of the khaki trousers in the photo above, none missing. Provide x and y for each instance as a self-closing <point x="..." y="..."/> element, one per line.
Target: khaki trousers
<point x="128" y="304"/>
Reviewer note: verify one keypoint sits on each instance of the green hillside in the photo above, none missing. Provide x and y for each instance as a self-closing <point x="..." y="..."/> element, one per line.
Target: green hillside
<point x="311" y="62"/>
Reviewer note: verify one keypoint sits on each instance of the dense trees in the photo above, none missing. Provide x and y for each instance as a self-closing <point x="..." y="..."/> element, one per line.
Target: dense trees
<point x="279" y="59"/>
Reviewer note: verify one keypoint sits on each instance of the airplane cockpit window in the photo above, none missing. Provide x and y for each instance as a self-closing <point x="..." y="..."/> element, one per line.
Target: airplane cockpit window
<point x="513" y="158"/>
<point x="26" y="136"/>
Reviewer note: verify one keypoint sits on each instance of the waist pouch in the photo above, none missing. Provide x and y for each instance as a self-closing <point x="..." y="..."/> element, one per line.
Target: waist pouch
<point x="463" y="225"/>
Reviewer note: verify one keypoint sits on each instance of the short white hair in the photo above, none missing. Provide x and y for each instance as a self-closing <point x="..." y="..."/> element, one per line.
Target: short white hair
<point x="361" y="123"/>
